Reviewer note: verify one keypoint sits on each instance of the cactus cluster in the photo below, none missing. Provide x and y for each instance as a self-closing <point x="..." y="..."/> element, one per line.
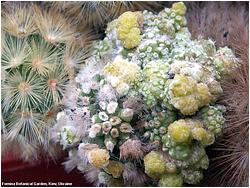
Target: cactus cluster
<point x="38" y="59"/>
<point x="146" y="103"/>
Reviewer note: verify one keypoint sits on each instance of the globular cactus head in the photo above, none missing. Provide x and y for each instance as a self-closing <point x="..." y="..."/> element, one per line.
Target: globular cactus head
<point x="37" y="46"/>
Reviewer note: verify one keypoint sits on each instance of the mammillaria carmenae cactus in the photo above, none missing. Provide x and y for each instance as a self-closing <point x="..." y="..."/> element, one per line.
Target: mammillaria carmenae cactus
<point x="148" y="118"/>
<point x="35" y="56"/>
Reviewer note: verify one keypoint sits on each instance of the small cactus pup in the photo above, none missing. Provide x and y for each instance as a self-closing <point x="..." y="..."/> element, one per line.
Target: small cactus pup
<point x="33" y="48"/>
<point x="145" y="105"/>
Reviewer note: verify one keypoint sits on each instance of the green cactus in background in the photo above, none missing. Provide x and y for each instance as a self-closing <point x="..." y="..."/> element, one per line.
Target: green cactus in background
<point x="34" y="61"/>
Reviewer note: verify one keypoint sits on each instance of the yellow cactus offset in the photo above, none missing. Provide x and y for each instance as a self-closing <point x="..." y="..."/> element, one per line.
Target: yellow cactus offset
<point x="180" y="8"/>
<point x="204" y="94"/>
<point x="184" y="130"/>
<point x="187" y="95"/>
<point x="155" y="165"/>
<point x="132" y="38"/>
<point x="98" y="158"/>
<point x="128" y="29"/>
<point x="171" y="180"/>
<point x="115" y="168"/>
<point x="202" y="135"/>
<point x="199" y="133"/>
<point x="128" y="19"/>
<point x="121" y="73"/>
<point x="179" y="131"/>
<point x="117" y="69"/>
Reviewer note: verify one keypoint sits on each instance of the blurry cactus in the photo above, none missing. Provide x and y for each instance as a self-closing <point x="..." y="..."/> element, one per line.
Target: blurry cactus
<point x="180" y="8"/>
<point x="192" y="69"/>
<point x="53" y="26"/>
<point x="187" y="49"/>
<point x="176" y="15"/>
<point x="67" y="136"/>
<point x="157" y="167"/>
<point x="197" y="158"/>
<point x="180" y="151"/>
<point x="168" y="21"/>
<point x="106" y="179"/>
<point x="102" y="47"/>
<point x="179" y="131"/>
<point x="14" y="51"/>
<point x="33" y="58"/>
<point x="182" y="131"/>
<point x="131" y="149"/>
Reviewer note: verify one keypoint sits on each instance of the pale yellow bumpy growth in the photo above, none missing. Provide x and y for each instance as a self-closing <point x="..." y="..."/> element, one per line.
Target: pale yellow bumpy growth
<point x="184" y="130"/>
<point x="98" y="158"/>
<point x="119" y="78"/>
<point x="128" y="29"/>
<point x="187" y="95"/>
